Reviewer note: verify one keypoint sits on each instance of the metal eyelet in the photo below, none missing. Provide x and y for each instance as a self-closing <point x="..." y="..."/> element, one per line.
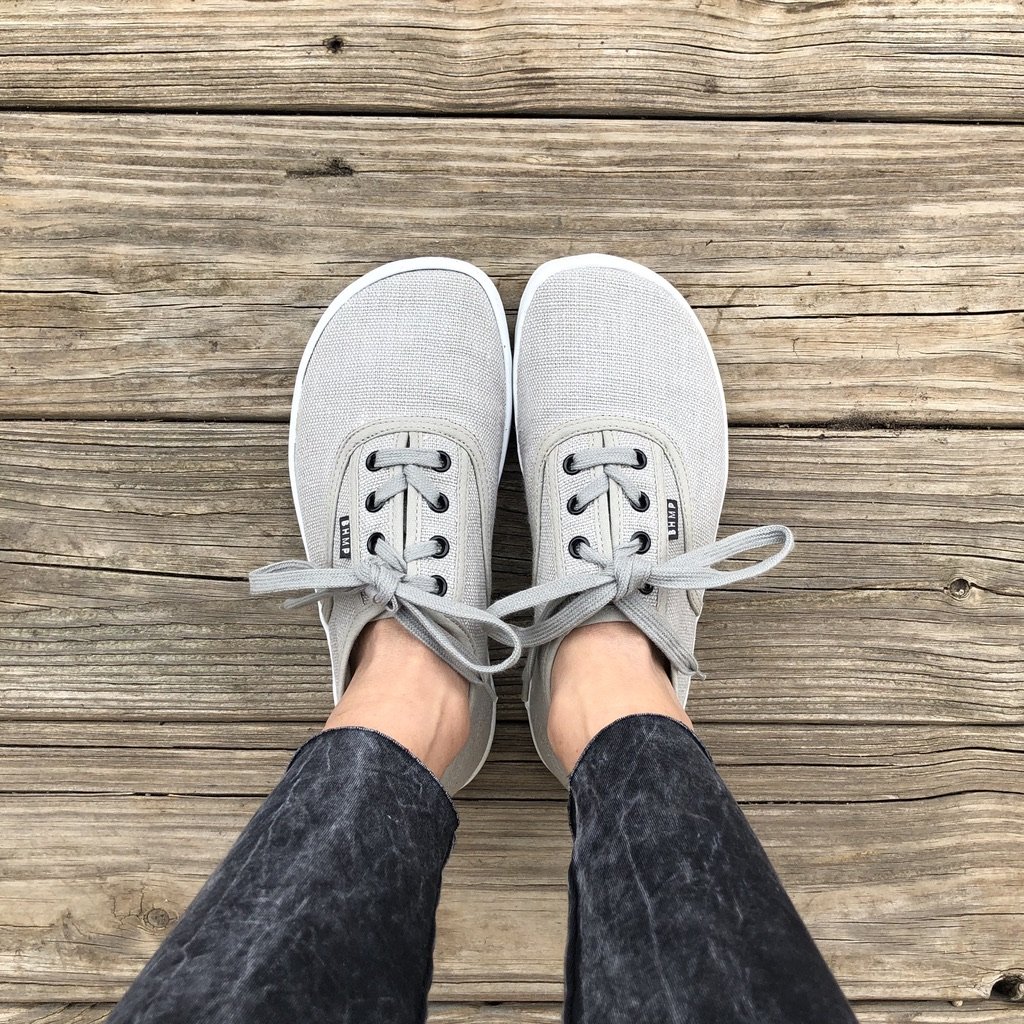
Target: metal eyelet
<point x="371" y="502"/>
<point x="567" y="465"/>
<point x="446" y="462"/>
<point x="442" y="546"/>
<point x="442" y="586"/>
<point x="645" y="541"/>
<point x="573" y="507"/>
<point x="641" y="459"/>
<point x="643" y="504"/>
<point x="371" y="462"/>
<point x="647" y="589"/>
<point x="372" y="541"/>
<point x="575" y="544"/>
<point x="442" y="504"/>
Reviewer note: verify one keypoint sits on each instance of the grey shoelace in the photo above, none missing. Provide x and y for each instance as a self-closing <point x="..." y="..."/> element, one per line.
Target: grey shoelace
<point x="384" y="578"/>
<point x="624" y="579"/>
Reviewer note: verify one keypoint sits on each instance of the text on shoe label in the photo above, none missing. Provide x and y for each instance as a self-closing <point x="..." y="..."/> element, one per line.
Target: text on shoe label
<point x="673" y="518"/>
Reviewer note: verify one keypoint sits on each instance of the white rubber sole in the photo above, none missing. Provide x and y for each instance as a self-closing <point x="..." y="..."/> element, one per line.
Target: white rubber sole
<point x="372" y="277"/>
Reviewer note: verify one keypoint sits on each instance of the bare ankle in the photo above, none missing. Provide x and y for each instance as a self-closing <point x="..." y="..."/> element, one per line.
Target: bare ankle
<point x="604" y="672"/>
<point x="402" y="689"/>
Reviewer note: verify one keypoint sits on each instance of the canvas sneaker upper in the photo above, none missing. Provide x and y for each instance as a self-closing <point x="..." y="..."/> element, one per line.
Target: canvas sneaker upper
<point x="399" y="425"/>
<point x="622" y="436"/>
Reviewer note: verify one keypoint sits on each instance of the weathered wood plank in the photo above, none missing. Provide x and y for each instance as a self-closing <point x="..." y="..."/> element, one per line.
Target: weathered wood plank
<point x="173" y="266"/>
<point x="761" y="762"/>
<point x="876" y="888"/>
<point x="858" y="58"/>
<point x="551" y="1013"/>
<point x="901" y="603"/>
<point x="546" y="1013"/>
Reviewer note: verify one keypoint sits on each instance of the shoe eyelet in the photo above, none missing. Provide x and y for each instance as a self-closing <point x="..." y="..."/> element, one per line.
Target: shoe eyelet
<point x="646" y="589"/>
<point x="567" y="465"/>
<point x="643" y="504"/>
<point x="372" y="541"/>
<point x="443" y="546"/>
<point x="641" y="459"/>
<point x="645" y="541"/>
<point x="575" y="544"/>
<point x="442" y="504"/>
<point x="446" y="462"/>
<point x="371" y="502"/>
<point x="371" y="462"/>
<point x="573" y="507"/>
<point x="442" y="586"/>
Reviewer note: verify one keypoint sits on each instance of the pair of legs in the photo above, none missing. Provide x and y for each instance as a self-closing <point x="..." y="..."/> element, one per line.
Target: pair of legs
<point x="324" y="909"/>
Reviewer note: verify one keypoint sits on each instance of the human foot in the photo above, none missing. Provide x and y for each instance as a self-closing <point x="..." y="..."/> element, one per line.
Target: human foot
<point x="601" y="673"/>
<point x="623" y="444"/>
<point x="399" y="425"/>
<point x="402" y="689"/>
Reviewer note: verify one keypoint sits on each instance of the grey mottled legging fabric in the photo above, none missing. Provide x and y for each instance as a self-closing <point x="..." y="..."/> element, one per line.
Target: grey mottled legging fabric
<point x="324" y="908"/>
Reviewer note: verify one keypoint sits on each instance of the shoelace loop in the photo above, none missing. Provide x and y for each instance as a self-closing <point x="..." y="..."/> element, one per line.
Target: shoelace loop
<point x="623" y="579"/>
<point x="383" y="577"/>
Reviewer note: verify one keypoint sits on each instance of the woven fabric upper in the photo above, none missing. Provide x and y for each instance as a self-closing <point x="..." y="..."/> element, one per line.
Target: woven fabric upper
<point x="422" y="346"/>
<point x="606" y="344"/>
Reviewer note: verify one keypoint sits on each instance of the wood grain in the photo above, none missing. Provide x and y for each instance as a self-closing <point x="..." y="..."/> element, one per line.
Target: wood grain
<point x="125" y="599"/>
<point x="853" y="58"/>
<point x="551" y="1013"/>
<point x="172" y="267"/>
<point x="875" y="887"/>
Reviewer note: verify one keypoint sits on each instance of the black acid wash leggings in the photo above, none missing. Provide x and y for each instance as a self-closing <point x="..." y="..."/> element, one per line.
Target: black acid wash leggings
<point x="323" y="911"/>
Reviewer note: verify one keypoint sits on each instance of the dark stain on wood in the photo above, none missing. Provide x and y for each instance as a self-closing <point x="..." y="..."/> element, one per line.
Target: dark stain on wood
<point x="335" y="167"/>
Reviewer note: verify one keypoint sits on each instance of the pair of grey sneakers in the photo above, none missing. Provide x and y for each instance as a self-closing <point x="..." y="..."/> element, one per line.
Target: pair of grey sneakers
<point x="399" y="426"/>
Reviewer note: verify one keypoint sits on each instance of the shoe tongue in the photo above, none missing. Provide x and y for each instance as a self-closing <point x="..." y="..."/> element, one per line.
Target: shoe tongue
<point x="623" y="519"/>
<point x="607" y="535"/>
<point x="421" y="521"/>
<point x="609" y="613"/>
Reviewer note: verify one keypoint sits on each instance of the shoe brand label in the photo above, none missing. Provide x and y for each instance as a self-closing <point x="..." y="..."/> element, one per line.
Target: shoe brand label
<point x="345" y="538"/>
<point x="673" y="518"/>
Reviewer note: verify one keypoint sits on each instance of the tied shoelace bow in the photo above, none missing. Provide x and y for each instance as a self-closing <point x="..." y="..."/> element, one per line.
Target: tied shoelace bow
<point x="417" y="602"/>
<point x="622" y="580"/>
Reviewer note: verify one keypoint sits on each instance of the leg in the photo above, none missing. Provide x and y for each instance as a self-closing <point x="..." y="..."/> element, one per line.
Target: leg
<point x="676" y="912"/>
<point x="324" y="908"/>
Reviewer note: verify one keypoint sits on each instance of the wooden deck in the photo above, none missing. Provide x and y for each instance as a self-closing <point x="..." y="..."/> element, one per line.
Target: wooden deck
<point x="838" y="187"/>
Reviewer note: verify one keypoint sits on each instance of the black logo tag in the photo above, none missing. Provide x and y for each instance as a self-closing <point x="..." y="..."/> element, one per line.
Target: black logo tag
<point x="673" y="518"/>
<point x="345" y="541"/>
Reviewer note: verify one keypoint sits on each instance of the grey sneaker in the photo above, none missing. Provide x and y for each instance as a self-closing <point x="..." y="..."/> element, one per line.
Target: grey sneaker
<point x="623" y="445"/>
<point x="399" y="426"/>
